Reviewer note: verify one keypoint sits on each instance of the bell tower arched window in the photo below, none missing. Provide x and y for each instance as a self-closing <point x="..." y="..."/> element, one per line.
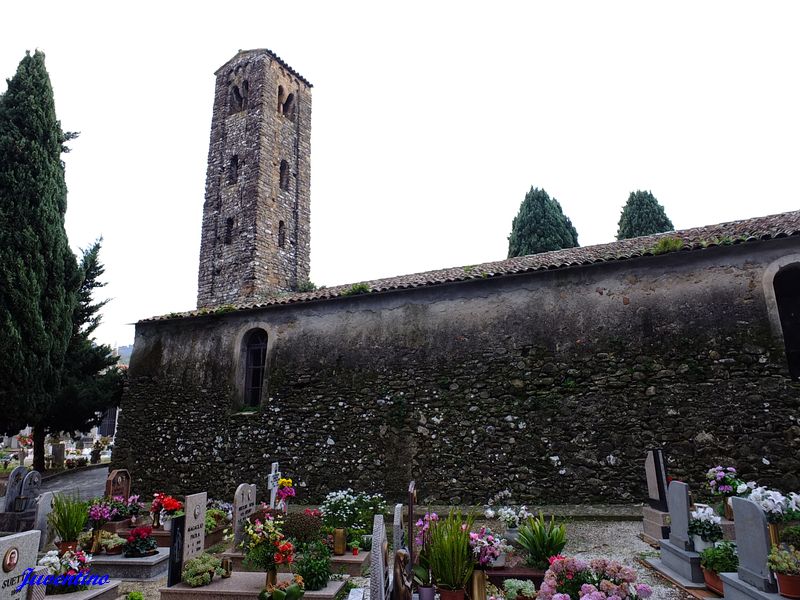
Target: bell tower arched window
<point x="255" y="366"/>
<point x="787" y="296"/>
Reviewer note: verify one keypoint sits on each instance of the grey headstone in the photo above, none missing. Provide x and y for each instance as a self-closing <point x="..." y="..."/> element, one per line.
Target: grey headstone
<point x="397" y="528"/>
<point x="656" y="473"/>
<point x="379" y="581"/>
<point x="14" y="488"/>
<point x="751" y="525"/>
<point x="244" y="505"/>
<point x="678" y="500"/>
<point x="118" y="483"/>
<point x="44" y="505"/>
<point x="195" y="528"/>
<point x="31" y="487"/>
<point x="17" y="553"/>
<point x="59" y="453"/>
<point x="38" y="592"/>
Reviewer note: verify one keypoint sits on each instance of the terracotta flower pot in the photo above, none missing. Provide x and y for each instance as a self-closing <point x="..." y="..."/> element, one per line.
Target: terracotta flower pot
<point x="64" y="547"/>
<point x="115" y="550"/>
<point x="788" y="585"/>
<point x="451" y="594"/>
<point x="714" y="582"/>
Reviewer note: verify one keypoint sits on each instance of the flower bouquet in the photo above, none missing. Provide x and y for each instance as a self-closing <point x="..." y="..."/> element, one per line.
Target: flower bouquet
<point x="285" y="491"/>
<point x="422" y="570"/>
<point x="71" y="563"/>
<point x="704" y="527"/>
<point x="599" y="579"/>
<point x="265" y="547"/>
<point x="101" y="511"/>
<point x="140" y="543"/>
<point x="486" y="547"/>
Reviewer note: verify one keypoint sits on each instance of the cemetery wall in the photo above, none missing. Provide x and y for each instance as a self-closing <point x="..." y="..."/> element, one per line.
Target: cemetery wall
<point x="552" y="384"/>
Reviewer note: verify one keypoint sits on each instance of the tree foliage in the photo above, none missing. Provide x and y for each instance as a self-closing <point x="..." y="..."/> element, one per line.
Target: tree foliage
<point x="540" y="226"/>
<point x="38" y="272"/>
<point x="642" y="215"/>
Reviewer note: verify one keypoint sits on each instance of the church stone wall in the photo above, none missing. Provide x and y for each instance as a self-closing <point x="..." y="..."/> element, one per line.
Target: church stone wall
<point x="551" y="384"/>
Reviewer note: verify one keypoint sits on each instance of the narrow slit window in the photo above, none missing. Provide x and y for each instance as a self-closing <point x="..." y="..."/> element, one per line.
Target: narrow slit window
<point x="245" y="94"/>
<point x="281" y="98"/>
<point x="284" y="175"/>
<point x="228" y="230"/>
<point x="281" y="234"/>
<point x="787" y="295"/>
<point x="255" y="367"/>
<point x="235" y="100"/>
<point x="233" y="169"/>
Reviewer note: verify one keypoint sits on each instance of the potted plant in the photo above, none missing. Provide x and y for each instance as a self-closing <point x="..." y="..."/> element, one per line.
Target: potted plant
<point x="200" y="570"/>
<point x="292" y="589"/>
<point x="422" y="570"/>
<point x="140" y="543"/>
<point x="576" y="578"/>
<point x="718" y="559"/>
<point x="486" y="549"/>
<point x="170" y="508"/>
<point x="785" y="563"/>
<point x="68" y="519"/>
<point x="340" y="510"/>
<point x="519" y="589"/>
<point x="114" y="544"/>
<point x="265" y="547"/>
<point x="314" y="566"/>
<point x="541" y="539"/>
<point x="724" y="482"/>
<point x="67" y="564"/>
<point x="704" y="527"/>
<point x="354" y="546"/>
<point x="510" y="516"/>
<point x="450" y="555"/>
<point x="100" y="512"/>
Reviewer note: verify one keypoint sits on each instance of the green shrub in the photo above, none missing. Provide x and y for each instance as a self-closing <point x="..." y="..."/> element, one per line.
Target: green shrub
<point x="314" y="566"/>
<point x="68" y="517"/>
<point x="541" y="539"/>
<point x="791" y="536"/>
<point x="720" y="559"/>
<point x="356" y="288"/>
<point x="214" y="516"/>
<point x="302" y="527"/>
<point x="306" y="286"/>
<point x="667" y="244"/>
<point x="518" y="587"/>
<point x="201" y="570"/>
<point x="450" y="555"/>
<point x="134" y="596"/>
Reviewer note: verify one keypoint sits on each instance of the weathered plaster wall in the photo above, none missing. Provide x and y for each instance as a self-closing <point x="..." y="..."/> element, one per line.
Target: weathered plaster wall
<point x="552" y="384"/>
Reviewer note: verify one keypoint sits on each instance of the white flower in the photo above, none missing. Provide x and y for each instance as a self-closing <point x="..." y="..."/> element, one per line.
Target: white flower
<point x="706" y="513"/>
<point x="488" y="513"/>
<point x="741" y="488"/>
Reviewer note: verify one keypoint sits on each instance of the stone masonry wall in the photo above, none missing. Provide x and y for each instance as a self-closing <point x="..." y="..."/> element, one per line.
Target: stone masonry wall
<point x="551" y="384"/>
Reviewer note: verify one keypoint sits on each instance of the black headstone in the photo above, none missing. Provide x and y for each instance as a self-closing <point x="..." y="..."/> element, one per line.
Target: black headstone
<point x="176" y="552"/>
<point x="656" y="471"/>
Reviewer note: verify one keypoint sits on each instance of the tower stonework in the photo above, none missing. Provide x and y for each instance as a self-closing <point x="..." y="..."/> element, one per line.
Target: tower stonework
<point x="256" y="216"/>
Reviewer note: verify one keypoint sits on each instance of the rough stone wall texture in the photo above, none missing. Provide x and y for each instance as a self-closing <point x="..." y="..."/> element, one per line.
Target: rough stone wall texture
<point x="552" y="384"/>
<point x="241" y="258"/>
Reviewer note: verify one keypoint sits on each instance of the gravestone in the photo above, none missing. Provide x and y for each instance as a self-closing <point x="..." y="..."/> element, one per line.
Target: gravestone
<point x="753" y="580"/>
<point x="17" y="553"/>
<point x="244" y="505"/>
<point x="31" y="487"/>
<point x="678" y="560"/>
<point x="59" y="453"/>
<point x="380" y="578"/>
<point x="14" y="488"/>
<point x="412" y="500"/>
<point x="118" y="483"/>
<point x="44" y="505"/>
<point x="655" y="518"/>
<point x="272" y="484"/>
<point x="397" y="528"/>
<point x="195" y="528"/>
<point x="175" y="568"/>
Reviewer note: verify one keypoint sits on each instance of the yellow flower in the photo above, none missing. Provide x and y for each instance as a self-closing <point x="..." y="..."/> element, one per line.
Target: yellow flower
<point x="284" y="482"/>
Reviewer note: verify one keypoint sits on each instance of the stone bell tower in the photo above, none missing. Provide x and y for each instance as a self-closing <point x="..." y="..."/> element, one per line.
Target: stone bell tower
<point x="256" y="216"/>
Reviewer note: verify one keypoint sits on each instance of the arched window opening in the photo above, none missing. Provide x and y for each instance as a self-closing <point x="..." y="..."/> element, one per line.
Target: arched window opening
<point x="235" y="100"/>
<point x="284" y="175"/>
<point x="281" y="98"/>
<point x="245" y="94"/>
<point x="233" y="169"/>
<point x="281" y="234"/>
<point x="228" y="230"/>
<point x="255" y="366"/>
<point x="289" y="107"/>
<point x="787" y="296"/>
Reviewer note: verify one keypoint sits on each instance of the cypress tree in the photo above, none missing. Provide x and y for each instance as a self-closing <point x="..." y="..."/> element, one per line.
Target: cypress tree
<point x="642" y="215"/>
<point x="90" y="382"/>
<point x="540" y="226"/>
<point x="38" y="272"/>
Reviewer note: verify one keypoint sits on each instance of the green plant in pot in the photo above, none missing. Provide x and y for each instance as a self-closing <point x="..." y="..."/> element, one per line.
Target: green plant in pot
<point x="113" y="545"/>
<point x="450" y="554"/>
<point x="68" y="519"/>
<point x="519" y="589"/>
<point x="541" y="538"/>
<point x="422" y="570"/>
<point x="314" y="566"/>
<point x="200" y="570"/>
<point x="784" y="561"/>
<point x="718" y="559"/>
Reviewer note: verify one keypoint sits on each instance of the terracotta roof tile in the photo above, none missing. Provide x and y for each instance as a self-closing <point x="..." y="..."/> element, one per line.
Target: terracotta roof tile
<point x="273" y="56"/>
<point x="698" y="238"/>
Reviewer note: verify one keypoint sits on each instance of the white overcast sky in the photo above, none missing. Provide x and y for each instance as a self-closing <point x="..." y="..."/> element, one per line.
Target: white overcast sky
<point x="430" y="122"/>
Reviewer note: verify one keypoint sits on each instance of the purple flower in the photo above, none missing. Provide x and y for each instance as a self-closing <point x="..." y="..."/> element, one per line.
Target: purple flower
<point x="643" y="590"/>
<point x="561" y="597"/>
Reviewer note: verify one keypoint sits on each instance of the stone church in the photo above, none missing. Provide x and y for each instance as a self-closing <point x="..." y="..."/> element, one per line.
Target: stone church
<point x="549" y="375"/>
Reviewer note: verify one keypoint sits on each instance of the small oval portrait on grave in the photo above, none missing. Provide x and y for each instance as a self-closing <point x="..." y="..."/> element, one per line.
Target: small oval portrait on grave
<point x="196" y="511"/>
<point x="10" y="560"/>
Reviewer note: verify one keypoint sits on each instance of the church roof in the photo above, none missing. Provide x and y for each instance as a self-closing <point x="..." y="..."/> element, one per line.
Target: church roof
<point x="696" y="239"/>
<point x="272" y="55"/>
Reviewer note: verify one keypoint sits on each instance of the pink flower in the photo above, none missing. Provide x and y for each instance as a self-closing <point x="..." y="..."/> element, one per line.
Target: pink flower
<point x="643" y="590"/>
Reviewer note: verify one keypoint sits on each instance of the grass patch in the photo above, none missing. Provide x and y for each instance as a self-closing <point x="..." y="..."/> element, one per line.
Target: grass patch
<point x="667" y="244"/>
